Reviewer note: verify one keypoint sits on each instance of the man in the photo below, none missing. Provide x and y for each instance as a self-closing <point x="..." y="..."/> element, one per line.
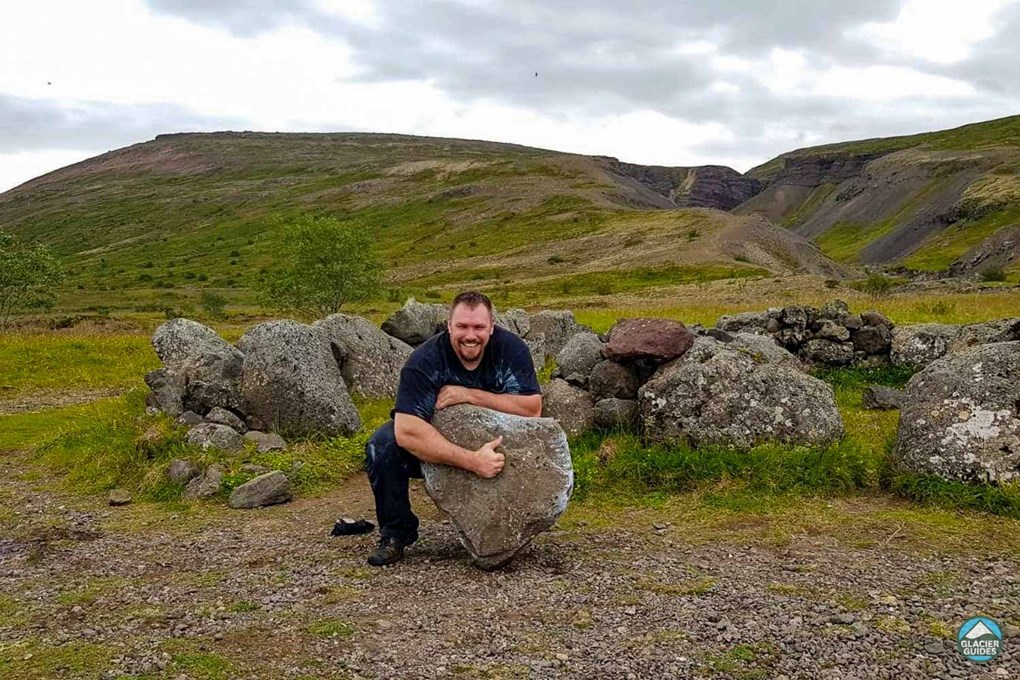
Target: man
<point x="471" y="362"/>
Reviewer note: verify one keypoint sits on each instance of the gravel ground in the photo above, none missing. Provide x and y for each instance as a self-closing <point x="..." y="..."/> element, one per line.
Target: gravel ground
<point x="88" y="590"/>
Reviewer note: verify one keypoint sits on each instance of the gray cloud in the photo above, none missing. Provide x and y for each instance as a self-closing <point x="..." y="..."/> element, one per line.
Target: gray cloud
<point x="29" y="125"/>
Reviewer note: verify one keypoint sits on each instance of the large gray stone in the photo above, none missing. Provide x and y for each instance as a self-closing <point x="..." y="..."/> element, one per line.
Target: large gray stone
<point x="616" y="413"/>
<point x="717" y="394"/>
<point x="204" y="368"/>
<point x="292" y="382"/>
<point x="763" y="349"/>
<point x="166" y="392"/>
<point x="271" y="488"/>
<point x="370" y="359"/>
<point x="536" y="347"/>
<point x="497" y="517"/>
<point x="960" y="418"/>
<point x="516" y="321"/>
<point x="557" y="327"/>
<point x="224" y="417"/>
<point x="266" y="441"/>
<point x="609" y="379"/>
<point x="578" y="357"/>
<point x="416" y="322"/>
<point x="746" y="322"/>
<point x="182" y="471"/>
<point x="207" y="484"/>
<point x="918" y="345"/>
<point x="828" y="353"/>
<point x="570" y="406"/>
<point x="215" y="436"/>
<point x="873" y="339"/>
<point x="882" y="398"/>
<point x="1001" y="330"/>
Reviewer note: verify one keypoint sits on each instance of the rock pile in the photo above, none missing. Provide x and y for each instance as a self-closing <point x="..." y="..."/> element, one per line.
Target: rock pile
<point x="832" y="336"/>
<point x="656" y="376"/>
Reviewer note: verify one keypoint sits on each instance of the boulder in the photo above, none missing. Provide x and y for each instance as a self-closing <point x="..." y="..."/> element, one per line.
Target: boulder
<point x="828" y="353"/>
<point x="190" y="419"/>
<point x="207" y="484"/>
<point x="292" y="382"/>
<point x="578" y="357"/>
<point x="536" y="346"/>
<point x="764" y="349"/>
<point x="609" y="379"/>
<point x="516" y="321"/>
<point x="371" y="360"/>
<point x="215" y="436"/>
<point x="717" y="394"/>
<point x="166" y="392"/>
<point x="224" y="417"/>
<point x="873" y="339"/>
<point x="495" y="518"/>
<point x="830" y="330"/>
<point x="181" y="471"/>
<point x="557" y="327"/>
<point x="960" y="418"/>
<point x="656" y="340"/>
<point x="873" y="318"/>
<point x="1001" y="330"/>
<point x="266" y="441"/>
<point x="796" y="317"/>
<point x="205" y="368"/>
<point x="836" y="311"/>
<point x="570" y="406"/>
<point x="118" y="497"/>
<point x="919" y="345"/>
<point x="416" y="322"/>
<point x="746" y="322"/>
<point x="616" y="413"/>
<point x="271" y="488"/>
<point x="882" y="398"/>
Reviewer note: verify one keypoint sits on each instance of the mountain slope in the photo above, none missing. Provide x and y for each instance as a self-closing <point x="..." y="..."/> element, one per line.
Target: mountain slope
<point x="189" y="209"/>
<point x="934" y="201"/>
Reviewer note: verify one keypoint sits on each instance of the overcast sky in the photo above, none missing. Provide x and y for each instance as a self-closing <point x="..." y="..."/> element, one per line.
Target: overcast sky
<point x="680" y="82"/>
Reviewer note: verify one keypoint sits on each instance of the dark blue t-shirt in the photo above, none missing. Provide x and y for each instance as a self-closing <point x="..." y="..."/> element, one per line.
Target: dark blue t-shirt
<point x="506" y="368"/>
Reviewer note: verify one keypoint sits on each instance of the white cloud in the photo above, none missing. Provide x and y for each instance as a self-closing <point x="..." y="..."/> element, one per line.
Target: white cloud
<point x="939" y="31"/>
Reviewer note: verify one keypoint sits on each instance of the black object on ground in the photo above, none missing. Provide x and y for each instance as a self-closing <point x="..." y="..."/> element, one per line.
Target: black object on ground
<point x="350" y="527"/>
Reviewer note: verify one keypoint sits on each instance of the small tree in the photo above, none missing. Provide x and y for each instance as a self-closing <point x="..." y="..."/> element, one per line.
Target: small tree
<point x="213" y="304"/>
<point x="318" y="264"/>
<point x="28" y="275"/>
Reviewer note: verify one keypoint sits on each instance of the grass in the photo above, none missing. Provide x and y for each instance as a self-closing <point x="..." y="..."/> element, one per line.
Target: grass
<point x="943" y="249"/>
<point x="113" y="443"/>
<point x="53" y="361"/>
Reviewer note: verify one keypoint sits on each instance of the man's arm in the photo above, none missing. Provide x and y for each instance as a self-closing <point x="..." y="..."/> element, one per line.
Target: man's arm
<point x="528" y="405"/>
<point x="427" y="444"/>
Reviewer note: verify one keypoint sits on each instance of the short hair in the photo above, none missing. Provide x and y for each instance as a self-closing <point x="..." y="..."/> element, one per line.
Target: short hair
<point x="472" y="299"/>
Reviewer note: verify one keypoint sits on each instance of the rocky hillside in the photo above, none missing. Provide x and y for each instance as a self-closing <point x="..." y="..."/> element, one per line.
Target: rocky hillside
<point x="188" y="210"/>
<point x="937" y="201"/>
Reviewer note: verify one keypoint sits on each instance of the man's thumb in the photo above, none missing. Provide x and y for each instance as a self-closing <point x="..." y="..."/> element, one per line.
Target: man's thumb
<point x="498" y="441"/>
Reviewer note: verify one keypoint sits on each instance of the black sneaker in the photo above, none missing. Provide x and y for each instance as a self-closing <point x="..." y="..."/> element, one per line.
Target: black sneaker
<point x="390" y="550"/>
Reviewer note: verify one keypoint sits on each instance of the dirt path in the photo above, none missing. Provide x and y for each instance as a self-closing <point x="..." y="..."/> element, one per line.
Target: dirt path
<point x="92" y="591"/>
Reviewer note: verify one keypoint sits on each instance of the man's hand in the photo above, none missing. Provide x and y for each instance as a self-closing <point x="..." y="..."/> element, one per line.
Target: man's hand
<point x="488" y="461"/>
<point x="451" y="395"/>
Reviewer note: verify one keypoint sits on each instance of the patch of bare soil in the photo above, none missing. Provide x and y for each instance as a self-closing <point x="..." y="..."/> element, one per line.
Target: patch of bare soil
<point x="268" y="593"/>
<point x="39" y="400"/>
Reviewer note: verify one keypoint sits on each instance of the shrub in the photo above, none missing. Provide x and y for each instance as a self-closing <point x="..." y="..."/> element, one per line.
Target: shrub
<point x="318" y="265"/>
<point x="555" y="259"/>
<point x="993" y="273"/>
<point x="28" y="275"/>
<point x="213" y="304"/>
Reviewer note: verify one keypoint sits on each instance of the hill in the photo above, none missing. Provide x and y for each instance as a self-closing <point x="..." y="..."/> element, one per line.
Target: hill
<point x="187" y="210"/>
<point x="937" y="201"/>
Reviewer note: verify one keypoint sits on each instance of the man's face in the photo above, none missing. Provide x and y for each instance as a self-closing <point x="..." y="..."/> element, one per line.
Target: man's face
<point x="470" y="328"/>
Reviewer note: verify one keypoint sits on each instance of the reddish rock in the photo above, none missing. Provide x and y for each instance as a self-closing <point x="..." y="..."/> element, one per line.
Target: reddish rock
<point x="659" y="340"/>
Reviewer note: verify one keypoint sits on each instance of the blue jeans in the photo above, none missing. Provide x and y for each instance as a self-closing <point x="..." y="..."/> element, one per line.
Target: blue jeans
<point x="389" y="469"/>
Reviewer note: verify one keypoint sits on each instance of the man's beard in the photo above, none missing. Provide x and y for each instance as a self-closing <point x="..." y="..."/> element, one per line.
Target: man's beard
<point x="470" y="352"/>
